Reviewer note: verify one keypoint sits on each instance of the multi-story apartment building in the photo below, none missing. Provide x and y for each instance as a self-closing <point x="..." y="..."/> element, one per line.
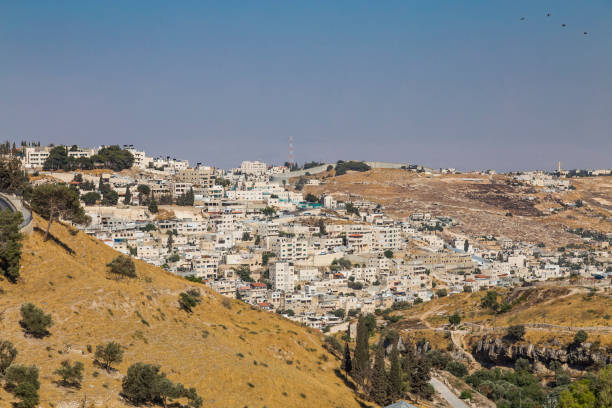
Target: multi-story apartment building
<point x="288" y="249"/>
<point x="253" y="167"/>
<point x="201" y="176"/>
<point x="282" y="276"/>
<point x="35" y="157"/>
<point x="141" y="160"/>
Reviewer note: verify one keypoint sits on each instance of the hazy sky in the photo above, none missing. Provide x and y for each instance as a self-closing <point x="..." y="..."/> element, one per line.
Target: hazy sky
<point x="440" y="83"/>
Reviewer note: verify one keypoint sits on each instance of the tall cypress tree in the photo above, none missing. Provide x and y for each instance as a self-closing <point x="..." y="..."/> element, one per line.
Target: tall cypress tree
<point x="128" y="196"/>
<point x="395" y="375"/>
<point x="378" y="379"/>
<point x="362" y="352"/>
<point x="347" y="363"/>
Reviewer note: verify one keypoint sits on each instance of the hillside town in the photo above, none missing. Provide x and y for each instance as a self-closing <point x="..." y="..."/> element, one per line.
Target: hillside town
<point x="251" y="233"/>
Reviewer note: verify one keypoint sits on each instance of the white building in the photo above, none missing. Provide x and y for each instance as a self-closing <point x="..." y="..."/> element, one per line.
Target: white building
<point x="282" y="275"/>
<point x="253" y="167"/>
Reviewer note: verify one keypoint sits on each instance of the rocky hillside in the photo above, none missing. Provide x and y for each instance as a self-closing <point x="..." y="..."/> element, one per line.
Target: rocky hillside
<point x="233" y="355"/>
<point x="480" y="203"/>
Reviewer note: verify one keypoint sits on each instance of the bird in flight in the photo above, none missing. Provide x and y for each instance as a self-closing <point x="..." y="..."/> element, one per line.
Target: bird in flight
<point x="564" y="25"/>
<point x="522" y="18"/>
<point x="547" y="14"/>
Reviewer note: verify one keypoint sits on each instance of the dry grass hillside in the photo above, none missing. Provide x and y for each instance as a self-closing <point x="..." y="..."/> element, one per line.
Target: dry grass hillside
<point x="559" y="307"/>
<point x="235" y="356"/>
<point x="480" y="202"/>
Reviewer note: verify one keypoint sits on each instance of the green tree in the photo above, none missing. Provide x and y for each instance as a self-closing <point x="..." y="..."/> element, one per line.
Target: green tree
<point x="90" y="198"/>
<point x="8" y="352"/>
<point x="153" y="206"/>
<point x="145" y="383"/>
<point x="466" y="245"/>
<point x="13" y="179"/>
<point x="490" y="301"/>
<point x="579" y="395"/>
<point x="388" y="254"/>
<point x="311" y="198"/>
<point x="347" y="363"/>
<point x="580" y="337"/>
<point x="396" y="386"/>
<point x="454" y="319"/>
<point x="127" y="198"/>
<point x="108" y="354"/>
<point x="10" y="244"/>
<point x="71" y="374"/>
<point x="378" y="379"/>
<point x="362" y="351"/>
<point x="23" y="382"/>
<point x="110" y="198"/>
<point x="115" y="158"/>
<point x="123" y="265"/>
<point x="190" y="299"/>
<point x="56" y="201"/>
<point x="516" y="332"/>
<point x="34" y="321"/>
<point x="269" y="211"/>
<point x="186" y="199"/>
<point x="57" y="159"/>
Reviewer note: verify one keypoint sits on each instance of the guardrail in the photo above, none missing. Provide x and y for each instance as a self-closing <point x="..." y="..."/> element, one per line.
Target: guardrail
<point x="15" y="203"/>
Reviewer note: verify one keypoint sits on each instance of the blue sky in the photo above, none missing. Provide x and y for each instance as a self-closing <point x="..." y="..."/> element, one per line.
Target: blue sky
<point x="440" y="83"/>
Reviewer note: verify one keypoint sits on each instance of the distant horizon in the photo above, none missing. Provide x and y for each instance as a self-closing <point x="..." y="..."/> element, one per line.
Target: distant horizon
<point x="429" y="82"/>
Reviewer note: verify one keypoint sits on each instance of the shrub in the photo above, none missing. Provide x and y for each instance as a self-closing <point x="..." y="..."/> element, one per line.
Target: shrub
<point x="190" y="299"/>
<point x="108" y="354"/>
<point x="123" y="265"/>
<point x="146" y="384"/>
<point x="454" y="319"/>
<point x="441" y="293"/>
<point x="8" y="352"/>
<point x="580" y="337"/>
<point x="71" y="374"/>
<point x="466" y="394"/>
<point x="457" y="369"/>
<point x="34" y="321"/>
<point x="516" y="333"/>
<point x="23" y="382"/>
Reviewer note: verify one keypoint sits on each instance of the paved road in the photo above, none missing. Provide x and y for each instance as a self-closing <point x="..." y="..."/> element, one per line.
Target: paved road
<point x="447" y="394"/>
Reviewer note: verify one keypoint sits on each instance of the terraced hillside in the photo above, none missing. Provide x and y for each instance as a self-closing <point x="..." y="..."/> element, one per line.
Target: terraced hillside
<point x="481" y="203"/>
<point x="233" y="355"/>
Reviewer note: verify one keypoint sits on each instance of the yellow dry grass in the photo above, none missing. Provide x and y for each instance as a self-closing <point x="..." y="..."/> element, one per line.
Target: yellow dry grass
<point x="557" y="306"/>
<point x="235" y="356"/>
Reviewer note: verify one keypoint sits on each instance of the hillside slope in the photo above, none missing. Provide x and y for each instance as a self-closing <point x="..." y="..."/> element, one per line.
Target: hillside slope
<point x="235" y="356"/>
<point x="480" y="202"/>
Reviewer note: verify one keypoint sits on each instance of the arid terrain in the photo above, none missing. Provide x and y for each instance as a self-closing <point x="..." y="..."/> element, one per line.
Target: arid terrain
<point x="482" y="204"/>
<point x="232" y="354"/>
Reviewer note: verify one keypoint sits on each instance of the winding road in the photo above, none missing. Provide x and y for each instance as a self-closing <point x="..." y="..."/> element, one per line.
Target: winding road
<point x="447" y="394"/>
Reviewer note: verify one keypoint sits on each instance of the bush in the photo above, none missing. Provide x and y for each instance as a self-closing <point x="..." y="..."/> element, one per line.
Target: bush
<point x="123" y="265"/>
<point x="190" y="299"/>
<point x="516" y="333"/>
<point x="580" y="337"/>
<point x="466" y="394"/>
<point x="457" y="369"/>
<point x="90" y="198"/>
<point x="34" y="321"/>
<point x="71" y="374"/>
<point x="441" y="293"/>
<point x="23" y="382"/>
<point x="108" y="354"/>
<point x="146" y="384"/>
<point x="454" y="319"/>
<point x="342" y="167"/>
<point x="8" y="352"/>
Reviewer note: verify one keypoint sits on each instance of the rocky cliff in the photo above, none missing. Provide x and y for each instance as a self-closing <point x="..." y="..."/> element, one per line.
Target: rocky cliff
<point x="491" y="349"/>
